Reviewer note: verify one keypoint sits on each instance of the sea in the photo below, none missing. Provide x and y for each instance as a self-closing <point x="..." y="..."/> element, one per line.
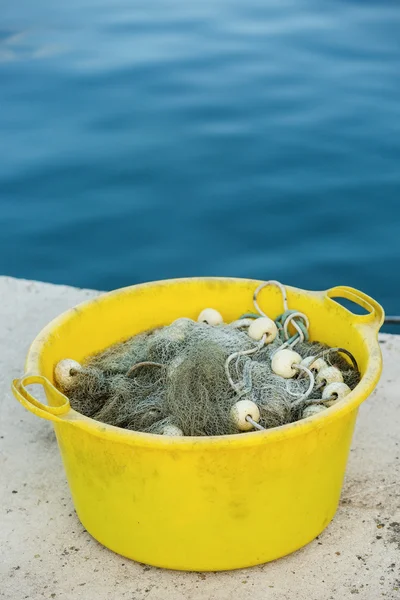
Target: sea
<point x="143" y="140"/>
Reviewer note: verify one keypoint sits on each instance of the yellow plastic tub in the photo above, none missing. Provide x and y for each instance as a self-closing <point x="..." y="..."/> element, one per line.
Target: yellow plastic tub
<point x="206" y="503"/>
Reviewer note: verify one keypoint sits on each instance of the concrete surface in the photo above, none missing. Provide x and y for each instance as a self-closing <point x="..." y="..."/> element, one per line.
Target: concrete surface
<point x="46" y="553"/>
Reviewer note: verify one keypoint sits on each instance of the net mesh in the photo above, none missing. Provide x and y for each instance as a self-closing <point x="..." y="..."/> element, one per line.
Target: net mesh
<point x="177" y="375"/>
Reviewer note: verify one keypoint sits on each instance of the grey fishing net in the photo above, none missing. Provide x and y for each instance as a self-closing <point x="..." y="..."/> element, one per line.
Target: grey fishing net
<point x="186" y="377"/>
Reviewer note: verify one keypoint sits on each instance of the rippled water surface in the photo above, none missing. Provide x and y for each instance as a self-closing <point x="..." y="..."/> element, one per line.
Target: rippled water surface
<point x="144" y="140"/>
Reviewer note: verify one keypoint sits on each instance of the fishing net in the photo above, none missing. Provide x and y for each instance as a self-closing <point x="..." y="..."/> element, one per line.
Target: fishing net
<point x="188" y="375"/>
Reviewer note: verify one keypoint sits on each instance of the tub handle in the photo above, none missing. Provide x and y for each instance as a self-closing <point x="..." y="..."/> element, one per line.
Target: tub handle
<point x="51" y="413"/>
<point x="375" y="315"/>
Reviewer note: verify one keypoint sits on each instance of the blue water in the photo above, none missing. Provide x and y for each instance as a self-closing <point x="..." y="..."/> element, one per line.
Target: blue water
<point x="145" y="139"/>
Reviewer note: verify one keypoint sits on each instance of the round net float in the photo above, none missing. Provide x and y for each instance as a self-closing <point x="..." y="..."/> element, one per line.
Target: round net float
<point x="335" y="391"/>
<point x="329" y="375"/>
<point x="263" y="326"/>
<point x="210" y="316"/>
<point x="283" y="361"/>
<point x="313" y="409"/>
<point x="172" y="430"/>
<point x="64" y="372"/>
<point x="314" y="364"/>
<point x="243" y="409"/>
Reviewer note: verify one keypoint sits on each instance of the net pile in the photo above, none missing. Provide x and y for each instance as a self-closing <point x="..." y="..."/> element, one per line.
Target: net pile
<point x="177" y="376"/>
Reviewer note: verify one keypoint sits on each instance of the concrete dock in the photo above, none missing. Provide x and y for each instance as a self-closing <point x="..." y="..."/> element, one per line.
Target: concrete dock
<point x="46" y="552"/>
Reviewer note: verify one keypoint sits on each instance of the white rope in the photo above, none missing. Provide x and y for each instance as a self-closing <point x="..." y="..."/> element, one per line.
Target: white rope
<point x="310" y="387"/>
<point x="235" y="386"/>
<point x="254" y="423"/>
<point x="261" y="287"/>
<point x="289" y="319"/>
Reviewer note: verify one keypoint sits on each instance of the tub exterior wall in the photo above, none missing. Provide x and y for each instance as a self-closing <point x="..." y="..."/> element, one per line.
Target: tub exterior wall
<point x="207" y="509"/>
